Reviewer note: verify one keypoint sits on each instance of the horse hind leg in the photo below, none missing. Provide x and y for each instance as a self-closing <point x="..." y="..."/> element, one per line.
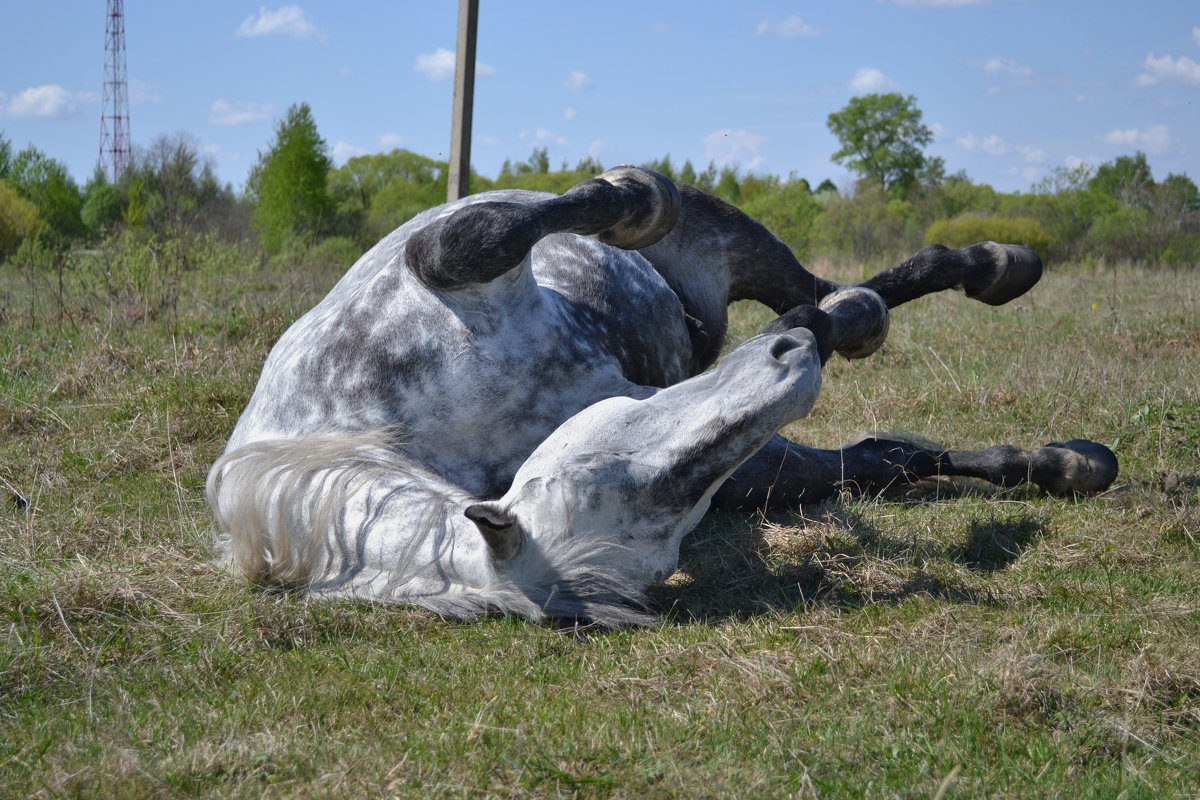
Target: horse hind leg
<point x="627" y="207"/>
<point x="785" y="475"/>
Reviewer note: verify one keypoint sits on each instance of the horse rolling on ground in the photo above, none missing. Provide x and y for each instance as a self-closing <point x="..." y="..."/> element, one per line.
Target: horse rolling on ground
<point x="504" y="407"/>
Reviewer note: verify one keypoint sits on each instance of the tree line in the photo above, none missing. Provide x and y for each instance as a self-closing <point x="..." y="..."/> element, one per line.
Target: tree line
<point x="901" y="198"/>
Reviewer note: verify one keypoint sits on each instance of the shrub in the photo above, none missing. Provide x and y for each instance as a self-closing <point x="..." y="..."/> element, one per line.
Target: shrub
<point x="19" y="220"/>
<point x="970" y="229"/>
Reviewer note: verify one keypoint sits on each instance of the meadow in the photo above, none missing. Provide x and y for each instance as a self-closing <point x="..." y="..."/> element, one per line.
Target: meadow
<point x="952" y="642"/>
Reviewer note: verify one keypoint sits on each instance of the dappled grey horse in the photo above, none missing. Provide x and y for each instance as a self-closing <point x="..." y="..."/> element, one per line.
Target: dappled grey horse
<point x="504" y="407"/>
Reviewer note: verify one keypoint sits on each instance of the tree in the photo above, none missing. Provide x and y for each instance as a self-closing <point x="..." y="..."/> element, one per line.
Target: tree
<point x="288" y="184"/>
<point x="18" y="220"/>
<point x="1127" y="180"/>
<point x="46" y="183"/>
<point x="375" y="193"/>
<point x="881" y="137"/>
<point x="5" y="156"/>
<point x="171" y="188"/>
<point x="1182" y="188"/>
<point x="103" y="204"/>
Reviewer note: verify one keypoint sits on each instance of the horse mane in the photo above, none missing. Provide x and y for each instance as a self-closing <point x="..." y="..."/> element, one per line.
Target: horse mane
<point x="295" y="515"/>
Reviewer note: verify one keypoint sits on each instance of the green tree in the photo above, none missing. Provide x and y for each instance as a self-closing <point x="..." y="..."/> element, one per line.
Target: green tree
<point x="5" y="156"/>
<point x="882" y="137"/>
<point x="103" y="205"/>
<point x="46" y="183"/>
<point x="1184" y="190"/>
<point x="1127" y="179"/>
<point x="687" y="173"/>
<point x="869" y="226"/>
<point x="287" y="186"/>
<point x="788" y="210"/>
<point x="589" y="164"/>
<point x="19" y="220"/>
<point x="373" y="194"/>
<point x="663" y="166"/>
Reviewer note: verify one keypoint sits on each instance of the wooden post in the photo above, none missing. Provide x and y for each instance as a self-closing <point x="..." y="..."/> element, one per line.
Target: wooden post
<point x="464" y="98"/>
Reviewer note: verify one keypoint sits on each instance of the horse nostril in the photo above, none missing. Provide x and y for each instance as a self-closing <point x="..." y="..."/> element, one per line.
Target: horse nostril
<point x="782" y="344"/>
<point x="658" y="576"/>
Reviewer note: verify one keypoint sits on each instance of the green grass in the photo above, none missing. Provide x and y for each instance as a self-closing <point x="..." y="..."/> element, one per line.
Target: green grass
<point x="957" y="643"/>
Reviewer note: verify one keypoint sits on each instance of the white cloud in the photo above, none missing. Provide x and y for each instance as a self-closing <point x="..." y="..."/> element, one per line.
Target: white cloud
<point x="1032" y="155"/>
<point x="343" y="152"/>
<point x="43" y="102"/>
<point x="290" y="21"/>
<point x="569" y="113"/>
<point x="793" y="27"/>
<point x="439" y="65"/>
<point x="1005" y="66"/>
<point x="143" y="93"/>
<point x="223" y="113"/>
<point x="391" y="141"/>
<point x="870" y="80"/>
<point x="436" y="66"/>
<point x="1155" y="139"/>
<point x="734" y="147"/>
<point x="577" y="82"/>
<point x="1179" y="70"/>
<point x="992" y="144"/>
<point x="1121" y="137"/>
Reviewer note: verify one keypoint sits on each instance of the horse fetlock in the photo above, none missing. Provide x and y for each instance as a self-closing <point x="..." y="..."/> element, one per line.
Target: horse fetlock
<point x="1079" y="466"/>
<point x="653" y="207"/>
<point x="860" y="320"/>
<point x="1001" y="272"/>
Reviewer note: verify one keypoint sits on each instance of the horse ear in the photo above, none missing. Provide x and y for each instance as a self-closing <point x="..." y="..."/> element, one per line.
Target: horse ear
<point x="498" y="527"/>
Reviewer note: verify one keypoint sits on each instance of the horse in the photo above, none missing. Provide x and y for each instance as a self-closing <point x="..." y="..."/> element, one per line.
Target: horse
<point x="509" y="405"/>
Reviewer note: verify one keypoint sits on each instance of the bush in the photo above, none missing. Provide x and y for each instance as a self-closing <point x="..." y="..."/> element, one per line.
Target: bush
<point x="971" y="229"/>
<point x="19" y="220"/>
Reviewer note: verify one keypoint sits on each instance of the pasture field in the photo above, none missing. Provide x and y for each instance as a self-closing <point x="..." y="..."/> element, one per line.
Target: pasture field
<point x="960" y="643"/>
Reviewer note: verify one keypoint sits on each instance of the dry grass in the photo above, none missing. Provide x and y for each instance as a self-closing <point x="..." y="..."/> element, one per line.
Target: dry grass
<point x="955" y="644"/>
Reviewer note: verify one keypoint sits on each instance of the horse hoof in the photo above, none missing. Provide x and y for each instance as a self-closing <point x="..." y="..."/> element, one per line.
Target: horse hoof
<point x="1079" y="466"/>
<point x="1014" y="271"/>
<point x="658" y="209"/>
<point x="860" y="320"/>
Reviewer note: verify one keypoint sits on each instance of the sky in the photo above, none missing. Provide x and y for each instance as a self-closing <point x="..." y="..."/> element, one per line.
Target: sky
<point x="1012" y="89"/>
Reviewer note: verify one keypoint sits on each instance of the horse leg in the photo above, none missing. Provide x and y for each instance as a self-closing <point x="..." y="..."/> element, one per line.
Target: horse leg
<point x="716" y="254"/>
<point x="784" y="474"/>
<point x="626" y="207"/>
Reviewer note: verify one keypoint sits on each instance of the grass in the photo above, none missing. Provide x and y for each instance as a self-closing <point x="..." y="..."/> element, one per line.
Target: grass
<point x="961" y="643"/>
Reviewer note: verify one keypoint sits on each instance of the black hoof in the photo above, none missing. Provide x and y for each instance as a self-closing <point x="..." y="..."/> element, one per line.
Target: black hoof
<point x="1007" y="271"/>
<point x="657" y="207"/>
<point x="1075" y="467"/>
<point x="860" y="320"/>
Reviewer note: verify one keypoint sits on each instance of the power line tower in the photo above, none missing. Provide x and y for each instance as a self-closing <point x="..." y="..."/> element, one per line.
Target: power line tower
<point x="115" y="149"/>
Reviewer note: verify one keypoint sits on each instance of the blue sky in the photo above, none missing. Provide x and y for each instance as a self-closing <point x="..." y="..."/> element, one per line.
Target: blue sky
<point x="1011" y="88"/>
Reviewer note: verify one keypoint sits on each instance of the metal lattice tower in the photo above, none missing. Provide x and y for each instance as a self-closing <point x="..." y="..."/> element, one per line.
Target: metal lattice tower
<point x="115" y="148"/>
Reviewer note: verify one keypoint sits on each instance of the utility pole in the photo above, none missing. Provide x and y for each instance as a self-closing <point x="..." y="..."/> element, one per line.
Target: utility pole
<point x="459" y="182"/>
<point x="115" y="147"/>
